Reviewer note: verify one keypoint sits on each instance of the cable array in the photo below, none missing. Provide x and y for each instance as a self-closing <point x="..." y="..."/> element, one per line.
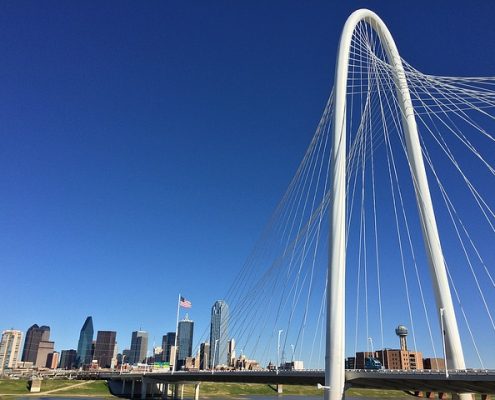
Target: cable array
<point x="277" y="301"/>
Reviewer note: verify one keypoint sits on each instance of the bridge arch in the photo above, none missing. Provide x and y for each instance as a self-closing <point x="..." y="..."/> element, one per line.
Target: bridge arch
<point x="335" y="328"/>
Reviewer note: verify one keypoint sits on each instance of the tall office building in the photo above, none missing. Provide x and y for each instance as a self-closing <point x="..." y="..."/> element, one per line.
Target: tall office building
<point x="139" y="347"/>
<point x="34" y="335"/>
<point x="231" y="353"/>
<point x="105" y="348"/>
<point x="204" y="354"/>
<point x="184" y="341"/>
<point x="219" y="334"/>
<point x="10" y="347"/>
<point x="45" y="348"/>
<point x="84" y="351"/>
<point x="68" y="359"/>
<point x="167" y="343"/>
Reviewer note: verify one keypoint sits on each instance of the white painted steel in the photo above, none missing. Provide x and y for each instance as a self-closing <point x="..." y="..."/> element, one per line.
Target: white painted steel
<point x="335" y="334"/>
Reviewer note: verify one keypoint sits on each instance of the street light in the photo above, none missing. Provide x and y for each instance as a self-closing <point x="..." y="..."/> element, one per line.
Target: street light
<point x="371" y="345"/>
<point x="292" y="347"/>
<point x="278" y="349"/>
<point x="122" y="363"/>
<point x="443" y="342"/>
<point x="214" y="354"/>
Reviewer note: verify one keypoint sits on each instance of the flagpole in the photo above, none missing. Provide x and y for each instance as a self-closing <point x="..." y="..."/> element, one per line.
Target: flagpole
<point x="176" y="334"/>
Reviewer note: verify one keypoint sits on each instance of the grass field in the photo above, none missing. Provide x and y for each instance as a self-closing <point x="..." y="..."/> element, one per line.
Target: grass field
<point x="10" y="389"/>
<point x="16" y="388"/>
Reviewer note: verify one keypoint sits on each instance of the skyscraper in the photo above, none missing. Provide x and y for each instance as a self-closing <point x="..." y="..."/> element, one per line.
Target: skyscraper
<point x="184" y="341"/>
<point x="45" y="348"/>
<point x="219" y="334"/>
<point x="231" y="352"/>
<point x="34" y="335"/>
<point x="105" y="348"/>
<point x="139" y="347"/>
<point x="204" y="354"/>
<point x="9" y="349"/>
<point x="168" y="342"/>
<point x="84" y="353"/>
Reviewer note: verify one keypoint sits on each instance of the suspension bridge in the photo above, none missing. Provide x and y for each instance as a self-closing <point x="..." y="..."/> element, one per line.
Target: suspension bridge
<point x="402" y="165"/>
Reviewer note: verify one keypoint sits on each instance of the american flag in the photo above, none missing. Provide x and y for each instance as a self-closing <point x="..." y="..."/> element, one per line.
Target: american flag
<point x="185" y="303"/>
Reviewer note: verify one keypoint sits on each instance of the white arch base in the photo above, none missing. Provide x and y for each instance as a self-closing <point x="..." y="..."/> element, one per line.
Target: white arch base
<point x="335" y="335"/>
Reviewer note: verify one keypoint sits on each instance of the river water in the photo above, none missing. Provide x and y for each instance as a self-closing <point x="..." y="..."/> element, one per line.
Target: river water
<point x="275" y="397"/>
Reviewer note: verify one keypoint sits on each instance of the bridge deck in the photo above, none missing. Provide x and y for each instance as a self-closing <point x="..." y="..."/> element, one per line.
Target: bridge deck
<point x="476" y="381"/>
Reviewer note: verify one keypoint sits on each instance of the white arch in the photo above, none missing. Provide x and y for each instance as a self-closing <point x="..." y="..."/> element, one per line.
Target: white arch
<point x="335" y="335"/>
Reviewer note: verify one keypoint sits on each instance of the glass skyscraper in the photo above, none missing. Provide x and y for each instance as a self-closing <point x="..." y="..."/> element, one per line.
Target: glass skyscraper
<point x="184" y="341"/>
<point x="84" y="346"/>
<point x="167" y="343"/>
<point x="219" y="340"/>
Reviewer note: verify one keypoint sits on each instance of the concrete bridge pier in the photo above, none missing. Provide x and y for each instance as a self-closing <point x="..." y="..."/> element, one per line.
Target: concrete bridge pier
<point x="280" y="389"/>
<point x="132" y="388"/>
<point x="164" y="390"/>
<point x="179" y="391"/>
<point x="144" y="386"/>
<point x="196" y="391"/>
<point x="458" y="396"/>
<point x="123" y="387"/>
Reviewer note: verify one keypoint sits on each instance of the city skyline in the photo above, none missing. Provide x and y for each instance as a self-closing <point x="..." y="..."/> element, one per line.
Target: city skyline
<point x="106" y="173"/>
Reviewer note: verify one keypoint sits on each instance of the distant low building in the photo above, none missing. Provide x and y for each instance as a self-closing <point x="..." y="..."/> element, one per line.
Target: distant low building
<point x="25" y="365"/>
<point x="243" y="363"/>
<point x="294" y="365"/>
<point x="157" y="353"/>
<point x="392" y="358"/>
<point x="68" y="359"/>
<point x="361" y="356"/>
<point x="434" y="363"/>
<point x="52" y="360"/>
<point x="400" y="359"/>
<point x="191" y="363"/>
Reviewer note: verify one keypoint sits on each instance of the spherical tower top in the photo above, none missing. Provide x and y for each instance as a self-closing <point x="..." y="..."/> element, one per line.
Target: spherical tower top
<point x="401" y="330"/>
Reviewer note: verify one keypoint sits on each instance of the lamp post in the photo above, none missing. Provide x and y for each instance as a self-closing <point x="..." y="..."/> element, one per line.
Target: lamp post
<point x="122" y="363"/>
<point x="214" y="354"/>
<point x="278" y="349"/>
<point x="371" y="346"/>
<point x="443" y="343"/>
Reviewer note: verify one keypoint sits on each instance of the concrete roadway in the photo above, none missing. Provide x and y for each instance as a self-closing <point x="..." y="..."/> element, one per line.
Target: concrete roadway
<point x="476" y="381"/>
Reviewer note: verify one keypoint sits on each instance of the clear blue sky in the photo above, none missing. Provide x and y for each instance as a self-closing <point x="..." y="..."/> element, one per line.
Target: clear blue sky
<point x="145" y="144"/>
